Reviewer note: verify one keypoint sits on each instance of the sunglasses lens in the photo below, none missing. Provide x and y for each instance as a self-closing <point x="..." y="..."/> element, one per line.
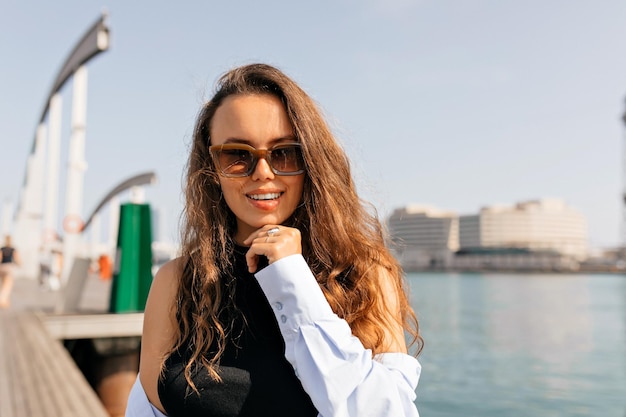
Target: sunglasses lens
<point x="240" y="160"/>
<point x="287" y="159"/>
<point x="235" y="162"/>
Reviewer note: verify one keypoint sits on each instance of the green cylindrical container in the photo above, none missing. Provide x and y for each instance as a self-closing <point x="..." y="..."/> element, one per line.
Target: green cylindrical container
<point x="133" y="264"/>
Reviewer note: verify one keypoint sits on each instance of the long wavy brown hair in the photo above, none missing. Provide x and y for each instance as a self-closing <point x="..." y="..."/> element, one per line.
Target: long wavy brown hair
<point x="342" y="242"/>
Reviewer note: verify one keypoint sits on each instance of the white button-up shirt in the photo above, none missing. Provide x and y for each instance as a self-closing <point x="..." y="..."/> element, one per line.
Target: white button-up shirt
<point x="335" y="369"/>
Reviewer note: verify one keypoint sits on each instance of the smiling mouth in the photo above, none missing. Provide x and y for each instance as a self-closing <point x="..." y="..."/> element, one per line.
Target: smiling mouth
<point x="264" y="197"/>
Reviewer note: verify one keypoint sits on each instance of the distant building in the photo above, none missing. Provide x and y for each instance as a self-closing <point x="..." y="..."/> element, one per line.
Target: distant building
<point x="547" y="224"/>
<point x="532" y="235"/>
<point x="423" y="236"/>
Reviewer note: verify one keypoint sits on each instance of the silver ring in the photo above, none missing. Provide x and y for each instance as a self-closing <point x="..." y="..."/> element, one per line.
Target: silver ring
<point x="272" y="231"/>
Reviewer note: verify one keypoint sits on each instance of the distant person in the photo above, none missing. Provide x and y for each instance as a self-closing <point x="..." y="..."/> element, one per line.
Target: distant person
<point x="285" y="301"/>
<point x="44" y="267"/>
<point x="56" y="268"/>
<point x="10" y="259"/>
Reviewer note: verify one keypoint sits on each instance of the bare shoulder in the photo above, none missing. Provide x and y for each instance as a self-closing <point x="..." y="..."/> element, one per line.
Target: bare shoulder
<point x="389" y="284"/>
<point x="164" y="286"/>
<point x="392" y="293"/>
<point x="159" y="326"/>
<point x="162" y="297"/>
<point x="170" y="270"/>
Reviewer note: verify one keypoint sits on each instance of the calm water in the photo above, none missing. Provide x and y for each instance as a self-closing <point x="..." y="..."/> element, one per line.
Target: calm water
<point x="521" y="345"/>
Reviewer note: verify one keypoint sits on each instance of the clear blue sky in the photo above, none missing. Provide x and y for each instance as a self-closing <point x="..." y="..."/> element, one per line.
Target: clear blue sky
<point x="457" y="104"/>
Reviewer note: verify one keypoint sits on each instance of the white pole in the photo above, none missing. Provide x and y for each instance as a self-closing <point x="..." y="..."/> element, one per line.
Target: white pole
<point x="52" y="169"/>
<point x="34" y="186"/>
<point x="72" y="222"/>
<point x="28" y="221"/>
<point x="37" y="177"/>
<point x="40" y="201"/>
<point x="30" y="248"/>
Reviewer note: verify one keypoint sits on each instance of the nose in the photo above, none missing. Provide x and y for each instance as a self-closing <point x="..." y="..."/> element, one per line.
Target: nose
<point x="262" y="171"/>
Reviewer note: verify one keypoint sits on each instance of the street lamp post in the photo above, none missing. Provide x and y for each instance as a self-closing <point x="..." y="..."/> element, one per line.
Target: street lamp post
<point x="29" y="214"/>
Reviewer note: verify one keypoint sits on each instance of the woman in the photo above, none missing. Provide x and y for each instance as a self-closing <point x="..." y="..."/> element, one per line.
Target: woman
<point x="285" y="301"/>
<point x="10" y="258"/>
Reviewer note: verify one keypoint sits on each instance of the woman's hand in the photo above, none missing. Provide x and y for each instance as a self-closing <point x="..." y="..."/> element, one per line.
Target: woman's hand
<point x="273" y="242"/>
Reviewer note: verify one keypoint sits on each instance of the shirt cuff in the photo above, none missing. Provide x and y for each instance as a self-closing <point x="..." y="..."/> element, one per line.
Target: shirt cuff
<point x="408" y="366"/>
<point x="294" y="294"/>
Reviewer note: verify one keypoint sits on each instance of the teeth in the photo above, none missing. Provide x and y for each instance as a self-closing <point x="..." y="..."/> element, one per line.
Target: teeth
<point x="269" y="196"/>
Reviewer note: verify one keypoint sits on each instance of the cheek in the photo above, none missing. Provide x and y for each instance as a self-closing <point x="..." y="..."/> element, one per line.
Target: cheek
<point x="231" y="189"/>
<point x="298" y="187"/>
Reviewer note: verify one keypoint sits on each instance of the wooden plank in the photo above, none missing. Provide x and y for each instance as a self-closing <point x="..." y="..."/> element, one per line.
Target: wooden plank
<point x="26" y="399"/>
<point x="93" y="326"/>
<point x="52" y="384"/>
<point x="27" y="358"/>
<point x="31" y="357"/>
<point x="42" y="378"/>
<point x="6" y="399"/>
<point x="77" y="395"/>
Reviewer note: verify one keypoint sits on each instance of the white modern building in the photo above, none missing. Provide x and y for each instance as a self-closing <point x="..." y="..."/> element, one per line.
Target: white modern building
<point x="547" y="224"/>
<point x="423" y="236"/>
<point x="544" y="234"/>
<point x="538" y="234"/>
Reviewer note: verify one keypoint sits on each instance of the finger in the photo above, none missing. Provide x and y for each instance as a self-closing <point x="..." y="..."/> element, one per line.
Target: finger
<point x="252" y="261"/>
<point x="274" y="231"/>
<point x="267" y="231"/>
<point x="272" y="242"/>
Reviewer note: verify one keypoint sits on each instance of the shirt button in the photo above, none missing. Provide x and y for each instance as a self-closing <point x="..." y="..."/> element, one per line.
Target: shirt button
<point x="283" y="318"/>
<point x="278" y="305"/>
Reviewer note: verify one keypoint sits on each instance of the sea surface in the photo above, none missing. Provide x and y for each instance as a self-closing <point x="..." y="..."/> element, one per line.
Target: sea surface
<point x="512" y="345"/>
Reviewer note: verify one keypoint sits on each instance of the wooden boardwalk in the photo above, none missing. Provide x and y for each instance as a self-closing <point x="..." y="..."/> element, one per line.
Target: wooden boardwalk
<point x="38" y="376"/>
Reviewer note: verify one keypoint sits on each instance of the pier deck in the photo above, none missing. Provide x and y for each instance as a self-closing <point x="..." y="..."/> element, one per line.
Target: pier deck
<point x="38" y="376"/>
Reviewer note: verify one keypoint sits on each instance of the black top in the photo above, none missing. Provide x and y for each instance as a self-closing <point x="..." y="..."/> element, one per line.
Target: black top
<point x="257" y="380"/>
<point x="7" y="254"/>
